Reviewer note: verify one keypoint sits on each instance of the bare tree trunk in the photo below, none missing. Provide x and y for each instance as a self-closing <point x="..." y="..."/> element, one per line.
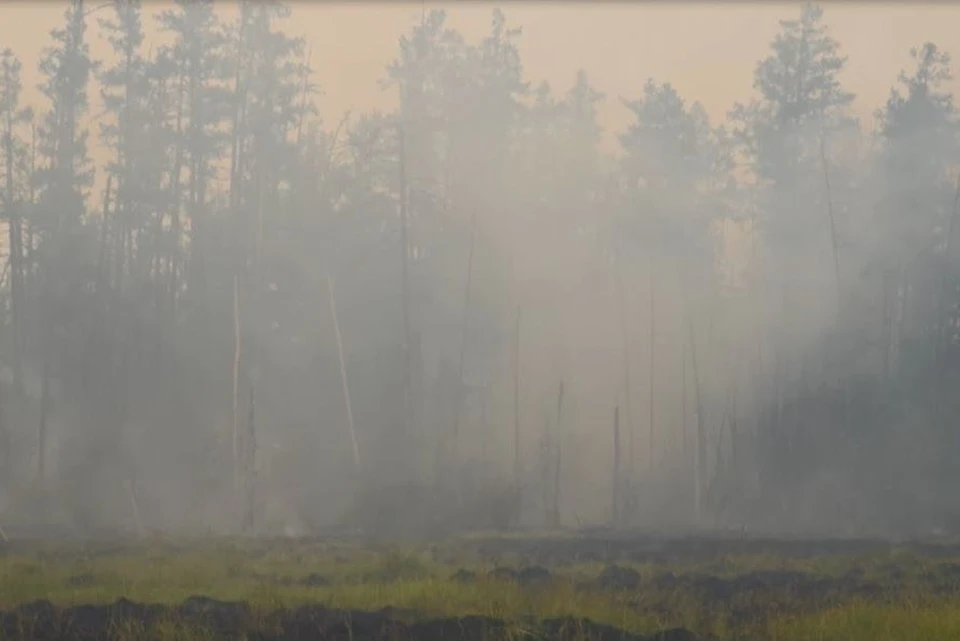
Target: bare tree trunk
<point x="464" y="329"/>
<point x="16" y="253"/>
<point x="250" y="455"/>
<point x="615" y="503"/>
<point x="700" y="450"/>
<point x="408" y="403"/>
<point x="484" y="426"/>
<point x="44" y="412"/>
<point x="652" y="364"/>
<point x="134" y="507"/>
<point x="942" y="290"/>
<point x="516" y="404"/>
<point x="33" y="190"/>
<point x="545" y="466"/>
<point x="899" y="318"/>
<point x="625" y="347"/>
<point x="887" y="327"/>
<point x="5" y="440"/>
<point x="555" y="512"/>
<point x="683" y="404"/>
<point x="831" y="218"/>
<point x="343" y="375"/>
<point x="236" y="382"/>
<point x="102" y="256"/>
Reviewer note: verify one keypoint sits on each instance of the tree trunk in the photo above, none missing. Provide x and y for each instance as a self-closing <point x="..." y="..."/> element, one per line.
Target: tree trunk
<point x="343" y="375"/>
<point x="16" y="256"/>
<point x="44" y="412"/>
<point x="236" y="383"/>
<point x="651" y="455"/>
<point x="832" y="221"/>
<point x="615" y="499"/>
<point x="941" y="321"/>
<point x="625" y="348"/>
<point x="404" y="279"/>
<point x="516" y="404"/>
<point x="250" y="458"/>
<point x="464" y="329"/>
<point x="700" y="453"/>
<point x="683" y="403"/>
<point x="558" y="439"/>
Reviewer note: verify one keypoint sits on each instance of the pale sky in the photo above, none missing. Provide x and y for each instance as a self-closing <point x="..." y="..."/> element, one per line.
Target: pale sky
<point x="708" y="51"/>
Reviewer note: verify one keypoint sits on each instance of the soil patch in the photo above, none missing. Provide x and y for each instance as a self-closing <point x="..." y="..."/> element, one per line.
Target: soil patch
<point x="42" y="621"/>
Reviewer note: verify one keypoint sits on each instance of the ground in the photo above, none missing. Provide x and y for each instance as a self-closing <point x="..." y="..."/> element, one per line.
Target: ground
<point x="596" y="585"/>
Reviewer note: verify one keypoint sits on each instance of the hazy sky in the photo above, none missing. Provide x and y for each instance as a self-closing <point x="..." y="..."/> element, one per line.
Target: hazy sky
<point x="708" y="51"/>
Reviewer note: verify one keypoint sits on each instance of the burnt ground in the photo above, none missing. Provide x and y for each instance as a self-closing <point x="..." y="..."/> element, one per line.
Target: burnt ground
<point x="703" y="584"/>
<point x="700" y="573"/>
<point x="207" y="618"/>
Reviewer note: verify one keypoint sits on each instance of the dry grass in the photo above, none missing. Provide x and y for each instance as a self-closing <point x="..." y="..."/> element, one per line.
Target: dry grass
<point x="271" y="576"/>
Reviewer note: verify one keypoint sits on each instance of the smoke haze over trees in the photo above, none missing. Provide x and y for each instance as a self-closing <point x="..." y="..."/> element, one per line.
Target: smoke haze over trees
<point x="244" y="318"/>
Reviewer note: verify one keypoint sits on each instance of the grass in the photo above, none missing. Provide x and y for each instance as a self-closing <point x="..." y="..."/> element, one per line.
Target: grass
<point x="906" y="621"/>
<point x="270" y="576"/>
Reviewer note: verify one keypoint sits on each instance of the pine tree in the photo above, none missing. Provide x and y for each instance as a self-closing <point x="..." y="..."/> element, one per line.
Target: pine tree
<point x="66" y="68"/>
<point x="198" y="54"/>
<point x="266" y="112"/>
<point x="123" y="89"/>
<point x="12" y="117"/>
<point x="800" y="97"/>
<point x="919" y="130"/>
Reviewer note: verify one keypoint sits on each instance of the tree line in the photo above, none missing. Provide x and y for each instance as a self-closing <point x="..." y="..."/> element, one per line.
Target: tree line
<point x="465" y="312"/>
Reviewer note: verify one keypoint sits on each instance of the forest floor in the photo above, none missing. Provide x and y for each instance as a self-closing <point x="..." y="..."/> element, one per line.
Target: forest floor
<point x="588" y="586"/>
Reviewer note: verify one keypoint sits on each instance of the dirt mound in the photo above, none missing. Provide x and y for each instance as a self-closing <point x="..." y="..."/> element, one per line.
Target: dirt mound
<point x="42" y="621"/>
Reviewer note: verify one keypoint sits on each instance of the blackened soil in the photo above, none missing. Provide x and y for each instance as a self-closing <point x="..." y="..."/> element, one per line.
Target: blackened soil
<point x="212" y="619"/>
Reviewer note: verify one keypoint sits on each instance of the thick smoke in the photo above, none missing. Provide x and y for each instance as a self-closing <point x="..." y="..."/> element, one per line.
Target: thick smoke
<point x="239" y="317"/>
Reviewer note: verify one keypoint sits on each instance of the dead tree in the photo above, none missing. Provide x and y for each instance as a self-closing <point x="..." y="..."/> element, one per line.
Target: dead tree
<point x="12" y="116"/>
<point x="685" y="449"/>
<point x="555" y="509"/>
<point x="464" y="329"/>
<point x="404" y="274"/>
<point x="942" y="291"/>
<point x="652" y="362"/>
<point x="625" y="347"/>
<point x="237" y="346"/>
<point x="831" y="219"/>
<point x="615" y="499"/>
<point x="700" y="453"/>
<point x="250" y="458"/>
<point x="516" y="404"/>
<point x="343" y="374"/>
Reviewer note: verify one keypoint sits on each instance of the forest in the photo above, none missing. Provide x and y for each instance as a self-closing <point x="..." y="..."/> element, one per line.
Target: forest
<point x="467" y="313"/>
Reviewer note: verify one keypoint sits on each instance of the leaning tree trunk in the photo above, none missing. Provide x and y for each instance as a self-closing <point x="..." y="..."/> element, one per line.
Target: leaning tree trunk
<point x="343" y="376"/>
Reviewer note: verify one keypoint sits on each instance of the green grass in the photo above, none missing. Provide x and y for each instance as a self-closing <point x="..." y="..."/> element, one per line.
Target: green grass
<point x="270" y="575"/>
<point x="905" y="621"/>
